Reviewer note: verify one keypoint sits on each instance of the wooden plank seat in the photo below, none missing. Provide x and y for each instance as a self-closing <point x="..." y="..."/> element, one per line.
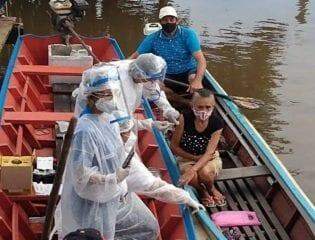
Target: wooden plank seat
<point x="36" y="118"/>
<point x="243" y="195"/>
<point x="242" y="172"/>
<point x="49" y="70"/>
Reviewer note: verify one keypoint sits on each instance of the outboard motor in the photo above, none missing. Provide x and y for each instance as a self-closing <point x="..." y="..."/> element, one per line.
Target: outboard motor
<point x="78" y="8"/>
<point x="66" y="11"/>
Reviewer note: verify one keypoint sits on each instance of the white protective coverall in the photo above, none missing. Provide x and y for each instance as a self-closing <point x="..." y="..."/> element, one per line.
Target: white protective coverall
<point x="97" y="149"/>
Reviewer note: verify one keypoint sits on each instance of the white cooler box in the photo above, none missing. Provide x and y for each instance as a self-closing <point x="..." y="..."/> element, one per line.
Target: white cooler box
<point x="68" y="56"/>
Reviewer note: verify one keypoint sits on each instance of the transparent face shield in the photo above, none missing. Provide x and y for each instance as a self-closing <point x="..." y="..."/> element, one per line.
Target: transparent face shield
<point x="92" y="80"/>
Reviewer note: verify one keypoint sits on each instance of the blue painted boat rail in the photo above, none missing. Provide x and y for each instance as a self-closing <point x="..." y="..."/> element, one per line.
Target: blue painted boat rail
<point x="170" y="163"/>
<point x="296" y="194"/>
<point x="8" y="73"/>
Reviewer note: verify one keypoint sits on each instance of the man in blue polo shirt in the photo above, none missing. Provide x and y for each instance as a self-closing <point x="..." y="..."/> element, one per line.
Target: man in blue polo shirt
<point x="180" y="47"/>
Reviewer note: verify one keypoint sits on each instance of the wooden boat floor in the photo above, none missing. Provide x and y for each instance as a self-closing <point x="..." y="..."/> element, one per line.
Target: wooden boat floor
<point x="242" y="194"/>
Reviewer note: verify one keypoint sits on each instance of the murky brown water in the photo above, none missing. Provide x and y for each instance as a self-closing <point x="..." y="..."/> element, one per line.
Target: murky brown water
<point x="262" y="49"/>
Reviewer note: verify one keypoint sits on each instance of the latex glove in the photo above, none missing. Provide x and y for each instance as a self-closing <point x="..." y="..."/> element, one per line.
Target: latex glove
<point x="163" y="125"/>
<point x="172" y="116"/>
<point x="196" y="206"/>
<point x="97" y="178"/>
<point x="75" y="92"/>
<point x="122" y="173"/>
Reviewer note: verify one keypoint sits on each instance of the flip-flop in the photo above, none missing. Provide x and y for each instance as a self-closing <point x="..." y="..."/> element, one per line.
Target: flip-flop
<point x="232" y="233"/>
<point x="219" y="202"/>
<point x="208" y="198"/>
<point x="208" y="202"/>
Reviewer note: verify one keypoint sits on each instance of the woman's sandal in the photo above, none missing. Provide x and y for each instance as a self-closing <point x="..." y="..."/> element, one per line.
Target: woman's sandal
<point x="219" y="201"/>
<point x="208" y="202"/>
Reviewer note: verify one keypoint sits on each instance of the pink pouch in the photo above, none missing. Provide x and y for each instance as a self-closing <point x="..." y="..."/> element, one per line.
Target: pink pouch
<point x="235" y="218"/>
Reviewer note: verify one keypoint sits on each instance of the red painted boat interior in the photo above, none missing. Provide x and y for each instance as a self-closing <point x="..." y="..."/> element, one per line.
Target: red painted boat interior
<point x="28" y="127"/>
<point x="28" y="92"/>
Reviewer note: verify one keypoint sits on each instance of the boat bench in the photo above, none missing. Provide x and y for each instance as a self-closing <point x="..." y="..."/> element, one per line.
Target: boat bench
<point x="242" y="172"/>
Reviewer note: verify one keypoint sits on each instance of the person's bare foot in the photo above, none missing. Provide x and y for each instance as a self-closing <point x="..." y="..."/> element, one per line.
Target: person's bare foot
<point x="218" y="198"/>
<point x="206" y="199"/>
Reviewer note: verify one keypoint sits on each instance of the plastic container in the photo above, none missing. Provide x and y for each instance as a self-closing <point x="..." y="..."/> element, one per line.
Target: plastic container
<point x="151" y="28"/>
<point x="68" y="56"/>
<point x="235" y="218"/>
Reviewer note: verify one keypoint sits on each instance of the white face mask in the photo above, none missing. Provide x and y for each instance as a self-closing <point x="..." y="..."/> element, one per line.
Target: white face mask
<point x="152" y="90"/>
<point x="105" y="105"/>
<point x="203" y="115"/>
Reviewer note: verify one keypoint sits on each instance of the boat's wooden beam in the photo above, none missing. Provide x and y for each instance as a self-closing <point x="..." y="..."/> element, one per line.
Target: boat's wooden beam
<point x="36" y="118"/>
<point x="49" y="70"/>
<point x="242" y="172"/>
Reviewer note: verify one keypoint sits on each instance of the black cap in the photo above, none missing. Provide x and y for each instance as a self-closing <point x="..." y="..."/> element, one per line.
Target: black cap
<point x="84" y="234"/>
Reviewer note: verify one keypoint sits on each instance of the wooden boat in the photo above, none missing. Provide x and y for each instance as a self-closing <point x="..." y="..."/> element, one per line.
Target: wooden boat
<point x="253" y="179"/>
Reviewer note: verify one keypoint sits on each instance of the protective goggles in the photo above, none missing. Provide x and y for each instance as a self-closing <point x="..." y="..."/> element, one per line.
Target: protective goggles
<point x="157" y="76"/>
<point x="106" y="94"/>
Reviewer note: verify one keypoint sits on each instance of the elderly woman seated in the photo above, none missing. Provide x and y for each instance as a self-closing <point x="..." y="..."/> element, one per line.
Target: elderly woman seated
<point x="195" y="143"/>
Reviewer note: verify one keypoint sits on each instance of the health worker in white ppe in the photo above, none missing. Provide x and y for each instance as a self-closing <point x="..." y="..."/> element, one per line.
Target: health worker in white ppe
<point x="143" y="182"/>
<point x="138" y="78"/>
<point x="94" y="187"/>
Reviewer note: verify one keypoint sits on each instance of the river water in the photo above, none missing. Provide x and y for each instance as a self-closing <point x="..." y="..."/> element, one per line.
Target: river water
<point x="261" y="49"/>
